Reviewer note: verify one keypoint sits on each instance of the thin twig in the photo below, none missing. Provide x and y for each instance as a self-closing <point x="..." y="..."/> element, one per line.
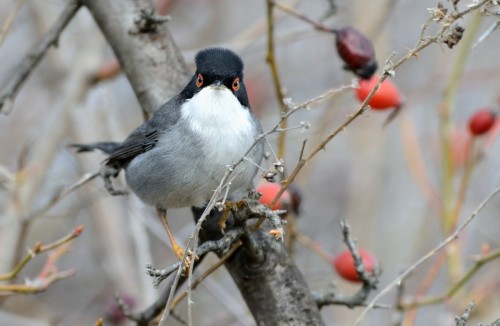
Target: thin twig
<point x="38" y="249"/>
<point x="457" y="286"/>
<point x="33" y="58"/>
<point x="289" y="10"/>
<point x="388" y="71"/>
<point x="271" y="60"/>
<point x="430" y="254"/>
<point x="330" y="297"/>
<point x="205" y="274"/>
<point x="62" y="194"/>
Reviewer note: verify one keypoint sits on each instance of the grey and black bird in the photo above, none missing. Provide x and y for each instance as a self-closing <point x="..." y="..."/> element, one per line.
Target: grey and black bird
<point x="178" y="157"/>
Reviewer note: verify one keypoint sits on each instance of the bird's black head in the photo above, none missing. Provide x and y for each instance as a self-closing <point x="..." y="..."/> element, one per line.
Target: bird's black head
<point x="218" y="66"/>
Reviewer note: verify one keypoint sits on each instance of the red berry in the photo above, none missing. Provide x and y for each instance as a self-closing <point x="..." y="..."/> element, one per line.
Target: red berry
<point x="386" y="97"/>
<point x="269" y="191"/>
<point x="357" y="51"/>
<point x="481" y="122"/>
<point x="344" y="264"/>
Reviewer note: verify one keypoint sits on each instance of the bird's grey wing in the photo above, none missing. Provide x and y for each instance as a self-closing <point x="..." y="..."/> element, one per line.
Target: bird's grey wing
<point x="137" y="143"/>
<point x="145" y="137"/>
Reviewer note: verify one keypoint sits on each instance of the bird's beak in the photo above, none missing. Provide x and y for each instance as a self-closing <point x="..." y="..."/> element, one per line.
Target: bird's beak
<point x="218" y="84"/>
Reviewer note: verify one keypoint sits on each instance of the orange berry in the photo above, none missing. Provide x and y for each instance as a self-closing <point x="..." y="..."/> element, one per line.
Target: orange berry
<point x="344" y="264"/>
<point x="386" y="97"/>
<point x="269" y="191"/>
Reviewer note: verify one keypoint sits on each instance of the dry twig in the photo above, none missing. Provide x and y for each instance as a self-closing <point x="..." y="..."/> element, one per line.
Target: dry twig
<point x="31" y="60"/>
<point x="430" y="254"/>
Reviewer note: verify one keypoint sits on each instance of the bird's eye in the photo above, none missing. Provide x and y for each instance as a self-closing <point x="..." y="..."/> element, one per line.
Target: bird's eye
<point x="199" y="80"/>
<point x="236" y="84"/>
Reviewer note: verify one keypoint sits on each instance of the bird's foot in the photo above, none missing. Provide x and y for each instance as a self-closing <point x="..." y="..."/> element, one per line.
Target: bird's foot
<point x="107" y="173"/>
<point x="179" y="252"/>
<point x="224" y="216"/>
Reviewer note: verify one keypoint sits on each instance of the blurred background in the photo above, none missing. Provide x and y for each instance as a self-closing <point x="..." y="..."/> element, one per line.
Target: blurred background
<point x="368" y="174"/>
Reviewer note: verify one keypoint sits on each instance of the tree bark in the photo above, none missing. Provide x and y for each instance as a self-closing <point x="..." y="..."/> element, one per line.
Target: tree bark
<point x="275" y="291"/>
<point x="150" y="59"/>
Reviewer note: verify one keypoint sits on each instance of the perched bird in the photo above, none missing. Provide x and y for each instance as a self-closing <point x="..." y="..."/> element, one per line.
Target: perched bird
<point x="179" y="156"/>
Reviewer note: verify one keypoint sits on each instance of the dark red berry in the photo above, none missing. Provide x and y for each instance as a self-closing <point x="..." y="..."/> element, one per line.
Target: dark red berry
<point x="344" y="264"/>
<point x="357" y="51"/>
<point x="481" y="121"/>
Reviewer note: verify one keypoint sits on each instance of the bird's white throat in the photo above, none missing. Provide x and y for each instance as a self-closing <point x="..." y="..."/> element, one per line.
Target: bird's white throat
<point x="224" y="125"/>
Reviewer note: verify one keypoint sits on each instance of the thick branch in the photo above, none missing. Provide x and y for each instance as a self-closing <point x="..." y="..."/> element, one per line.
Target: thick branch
<point x="273" y="289"/>
<point x="146" y="51"/>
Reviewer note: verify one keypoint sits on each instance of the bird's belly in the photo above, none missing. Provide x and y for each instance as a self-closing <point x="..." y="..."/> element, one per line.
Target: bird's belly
<point x="160" y="178"/>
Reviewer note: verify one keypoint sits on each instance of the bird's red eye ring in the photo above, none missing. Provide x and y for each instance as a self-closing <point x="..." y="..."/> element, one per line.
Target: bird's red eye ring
<point x="236" y="84"/>
<point x="199" y="80"/>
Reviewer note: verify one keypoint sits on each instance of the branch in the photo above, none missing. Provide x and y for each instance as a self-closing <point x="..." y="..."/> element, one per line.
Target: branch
<point x="389" y="70"/>
<point x="278" y="88"/>
<point x="38" y="249"/>
<point x="49" y="273"/>
<point x="146" y="316"/>
<point x="431" y="253"/>
<point x="60" y="195"/>
<point x="292" y="11"/>
<point x="144" y="47"/>
<point x="210" y="246"/>
<point x="205" y="274"/>
<point x="33" y="58"/>
<point x="330" y="297"/>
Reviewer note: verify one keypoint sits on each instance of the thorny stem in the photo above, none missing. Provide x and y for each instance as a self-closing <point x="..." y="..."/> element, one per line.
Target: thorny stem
<point x="271" y="60"/>
<point x="427" y="256"/>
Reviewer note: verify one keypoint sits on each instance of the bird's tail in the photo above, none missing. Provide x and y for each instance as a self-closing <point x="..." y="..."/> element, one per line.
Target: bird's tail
<point x="106" y="147"/>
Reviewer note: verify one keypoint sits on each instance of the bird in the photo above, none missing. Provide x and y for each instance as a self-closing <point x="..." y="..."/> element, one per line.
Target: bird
<point x="178" y="157"/>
